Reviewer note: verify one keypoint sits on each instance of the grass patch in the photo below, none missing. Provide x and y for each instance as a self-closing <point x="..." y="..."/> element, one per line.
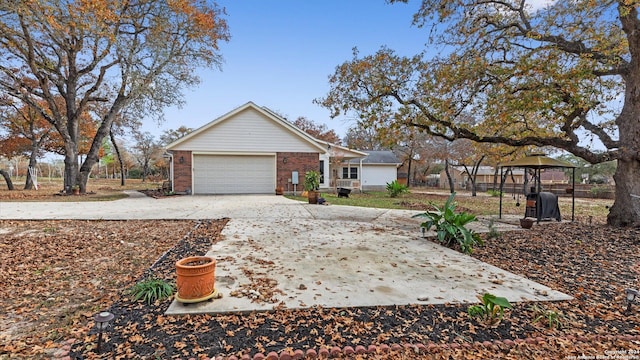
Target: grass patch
<point x="379" y="199"/>
<point x="97" y="190"/>
<point x="477" y="205"/>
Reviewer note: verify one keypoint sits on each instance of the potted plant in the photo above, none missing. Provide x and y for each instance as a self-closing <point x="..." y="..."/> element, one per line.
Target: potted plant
<point x="195" y="279"/>
<point x="311" y="185"/>
<point x="76" y="189"/>
<point x="279" y="190"/>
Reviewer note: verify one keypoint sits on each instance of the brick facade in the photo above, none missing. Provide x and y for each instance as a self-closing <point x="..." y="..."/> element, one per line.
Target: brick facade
<point x="182" y="171"/>
<point x="288" y="162"/>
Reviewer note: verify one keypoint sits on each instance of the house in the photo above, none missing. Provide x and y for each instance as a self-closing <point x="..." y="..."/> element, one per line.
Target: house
<point x="253" y="150"/>
<point x="484" y="177"/>
<point x="378" y="169"/>
<point x="553" y="176"/>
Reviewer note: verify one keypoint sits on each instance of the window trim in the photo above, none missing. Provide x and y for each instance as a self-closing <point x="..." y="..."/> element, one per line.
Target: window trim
<point x="350" y="172"/>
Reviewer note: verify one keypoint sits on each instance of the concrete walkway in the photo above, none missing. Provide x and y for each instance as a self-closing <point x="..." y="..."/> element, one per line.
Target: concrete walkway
<point x="278" y="252"/>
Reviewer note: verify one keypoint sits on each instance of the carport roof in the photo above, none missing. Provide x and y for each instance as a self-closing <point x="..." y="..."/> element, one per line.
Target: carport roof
<point x="538" y="161"/>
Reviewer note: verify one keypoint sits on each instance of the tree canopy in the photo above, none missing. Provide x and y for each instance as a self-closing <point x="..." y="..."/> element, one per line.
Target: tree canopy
<point x="115" y="56"/>
<point x="171" y="135"/>
<point x="564" y="75"/>
<point x="318" y="131"/>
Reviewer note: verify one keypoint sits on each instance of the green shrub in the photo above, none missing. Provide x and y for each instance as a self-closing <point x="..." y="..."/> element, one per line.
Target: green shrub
<point x="494" y="193"/>
<point x="450" y="226"/>
<point x="151" y="290"/>
<point x="597" y="191"/>
<point x="311" y="180"/>
<point x="134" y="174"/>
<point x="394" y="188"/>
<point x="491" y="310"/>
<point x="493" y="233"/>
<point x="598" y="179"/>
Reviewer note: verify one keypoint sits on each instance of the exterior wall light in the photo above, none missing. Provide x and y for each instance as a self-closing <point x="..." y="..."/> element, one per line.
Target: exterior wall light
<point x="102" y="323"/>
<point x="181" y="160"/>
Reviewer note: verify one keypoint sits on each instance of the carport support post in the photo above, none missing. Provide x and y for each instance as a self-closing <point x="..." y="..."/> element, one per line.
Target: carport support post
<point x="501" y="187"/>
<point x="573" y="196"/>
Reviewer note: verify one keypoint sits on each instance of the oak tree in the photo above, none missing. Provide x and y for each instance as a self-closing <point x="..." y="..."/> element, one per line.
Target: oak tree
<point x="25" y="133"/>
<point x="565" y="75"/>
<point x="171" y="135"/>
<point x="145" y="147"/>
<point x="123" y="56"/>
<point x="318" y="131"/>
<point x="362" y="138"/>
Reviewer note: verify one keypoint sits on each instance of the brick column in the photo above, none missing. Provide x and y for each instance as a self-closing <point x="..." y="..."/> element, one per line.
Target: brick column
<point x="182" y="171"/>
<point x="288" y="162"/>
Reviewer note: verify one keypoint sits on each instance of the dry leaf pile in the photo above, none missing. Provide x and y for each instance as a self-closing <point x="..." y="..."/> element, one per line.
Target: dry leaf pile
<point x="588" y="263"/>
<point x="56" y="275"/>
<point x="592" y="263"/>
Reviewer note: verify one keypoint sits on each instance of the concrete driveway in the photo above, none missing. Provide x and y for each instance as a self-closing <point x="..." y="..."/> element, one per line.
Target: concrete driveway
<point x="278" y="252"/>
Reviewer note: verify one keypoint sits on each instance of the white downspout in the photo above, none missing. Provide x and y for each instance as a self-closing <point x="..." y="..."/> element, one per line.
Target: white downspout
<point x="360" y="175"/>
<point x="171" y="173"/>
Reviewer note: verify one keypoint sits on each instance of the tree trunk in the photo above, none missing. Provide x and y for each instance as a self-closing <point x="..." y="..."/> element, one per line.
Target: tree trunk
<point x="145" y="170"/>
<point x="409" y="170"/>
<point x="474" y="174"/>
<point x="446" y="171"/>
<point x="495" y="179"/>
<point x="7" y="179"/>
<point x="626" y="207"/>
<point x="70" y="169"/>
<point x="117" y="149"/>
<point x="92" y="157"/>
<point x="28" y="185"/>
<point x="103" y="130"/>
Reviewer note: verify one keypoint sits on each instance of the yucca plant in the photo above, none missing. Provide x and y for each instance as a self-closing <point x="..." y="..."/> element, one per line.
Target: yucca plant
<point x="553" y="318"/>
<point x="151" y="289"/>
<point x="451" y="226"/>
<point x="394" y="188"/>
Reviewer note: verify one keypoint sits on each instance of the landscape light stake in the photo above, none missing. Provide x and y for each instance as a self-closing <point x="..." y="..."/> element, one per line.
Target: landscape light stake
<point x="631" y="295"/>
<point x="102" y="323"/>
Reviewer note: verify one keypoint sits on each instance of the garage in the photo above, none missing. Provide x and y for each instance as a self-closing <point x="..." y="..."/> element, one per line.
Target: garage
<point x="234" y="174"/>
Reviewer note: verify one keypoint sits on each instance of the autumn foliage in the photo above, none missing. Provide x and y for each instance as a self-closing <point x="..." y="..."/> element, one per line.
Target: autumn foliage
<point x="563" y="75"/>
<point x="107" y="59"/>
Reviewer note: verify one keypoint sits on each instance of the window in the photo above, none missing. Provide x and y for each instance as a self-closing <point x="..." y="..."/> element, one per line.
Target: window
<point x="321" y="171"/>
<point x="349" y="172"/>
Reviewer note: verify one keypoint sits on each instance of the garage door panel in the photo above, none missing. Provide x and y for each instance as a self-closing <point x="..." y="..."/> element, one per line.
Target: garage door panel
<point x="233" y="174"/>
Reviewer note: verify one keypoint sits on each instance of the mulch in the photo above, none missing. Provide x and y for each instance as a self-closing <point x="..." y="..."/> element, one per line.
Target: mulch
<point x="592" y="263"/>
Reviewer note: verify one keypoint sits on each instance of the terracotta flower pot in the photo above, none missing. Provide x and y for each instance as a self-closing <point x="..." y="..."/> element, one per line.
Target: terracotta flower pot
<point x="195" y="278"/>
<point x="279" y="190"/>
<point x="313" y="197"/>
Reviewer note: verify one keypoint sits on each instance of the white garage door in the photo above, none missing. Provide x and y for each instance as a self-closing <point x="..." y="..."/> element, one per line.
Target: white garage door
<point x="234" y="174"/>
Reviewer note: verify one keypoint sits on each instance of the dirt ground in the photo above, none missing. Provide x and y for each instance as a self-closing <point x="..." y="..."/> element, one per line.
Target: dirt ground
<point x="51" y="190"/>
<point x="56" y="275"/>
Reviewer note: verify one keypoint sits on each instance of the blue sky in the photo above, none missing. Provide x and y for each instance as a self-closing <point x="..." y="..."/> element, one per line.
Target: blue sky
<point x="281" y="53"/>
